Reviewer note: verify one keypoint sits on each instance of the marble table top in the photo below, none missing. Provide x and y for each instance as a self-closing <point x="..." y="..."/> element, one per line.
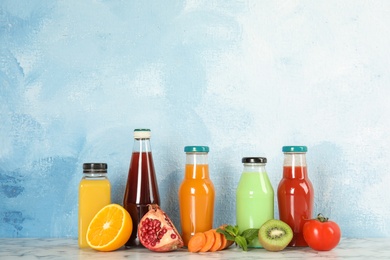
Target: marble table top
<point x="34" y="248"/>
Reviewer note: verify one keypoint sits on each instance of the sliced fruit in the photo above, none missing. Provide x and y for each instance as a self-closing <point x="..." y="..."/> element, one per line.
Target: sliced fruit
<point x="196" y="242"/>
<point x="225" y="243"/>
<point x="210" y="240"/>
<point x="157" y="232"/>
<point x="275" y="235"/>
<point x="217" y="242"/>
<point x="110" y="228"/>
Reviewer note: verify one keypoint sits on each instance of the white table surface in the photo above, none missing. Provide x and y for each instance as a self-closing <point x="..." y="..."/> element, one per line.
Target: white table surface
<point x="66" y="248"/>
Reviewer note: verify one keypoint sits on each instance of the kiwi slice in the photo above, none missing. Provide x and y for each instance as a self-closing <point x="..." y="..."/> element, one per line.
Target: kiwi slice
<point x="275" y="235"/>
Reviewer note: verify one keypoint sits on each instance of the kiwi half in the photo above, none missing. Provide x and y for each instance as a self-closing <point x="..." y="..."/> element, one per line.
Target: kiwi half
<point x="275" y="235"/>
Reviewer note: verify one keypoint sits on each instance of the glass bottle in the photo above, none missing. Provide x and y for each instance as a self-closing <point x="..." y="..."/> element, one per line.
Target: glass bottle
<point x="254" y="196"/>
<point x="295" y="192"/>
<point x="141" y="187"/>
<point x="94" y="194"/>
<point x="196" y="193"/>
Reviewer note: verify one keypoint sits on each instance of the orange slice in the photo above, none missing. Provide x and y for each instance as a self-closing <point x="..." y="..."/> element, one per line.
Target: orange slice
<point x="110" y="228"/>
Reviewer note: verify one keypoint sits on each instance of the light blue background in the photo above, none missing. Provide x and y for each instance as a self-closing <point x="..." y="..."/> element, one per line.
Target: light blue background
<point x="243" y="77"/>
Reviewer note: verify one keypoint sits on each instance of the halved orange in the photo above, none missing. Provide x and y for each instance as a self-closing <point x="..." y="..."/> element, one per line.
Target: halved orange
<point x="110" y="228"/>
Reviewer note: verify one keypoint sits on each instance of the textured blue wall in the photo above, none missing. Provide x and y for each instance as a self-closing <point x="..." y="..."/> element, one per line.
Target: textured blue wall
<point x="243" y="77"/>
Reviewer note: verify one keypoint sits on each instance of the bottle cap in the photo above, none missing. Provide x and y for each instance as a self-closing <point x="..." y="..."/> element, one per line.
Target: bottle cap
<point x="196" y="149"/>
<point x="142" y="133"/>
<point x="95" y="167"/>
<point x="294" y="149"/>
<point x="254" y="160"/>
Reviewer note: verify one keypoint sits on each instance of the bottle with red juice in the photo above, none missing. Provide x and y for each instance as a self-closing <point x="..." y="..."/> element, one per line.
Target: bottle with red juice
<point x="141" y="188"/>
<point x="295" y="193"/>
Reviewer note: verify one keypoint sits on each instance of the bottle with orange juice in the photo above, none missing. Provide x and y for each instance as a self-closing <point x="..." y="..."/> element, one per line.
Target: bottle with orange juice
<point x="196" y="193"/>
<point x="94" y="194"/>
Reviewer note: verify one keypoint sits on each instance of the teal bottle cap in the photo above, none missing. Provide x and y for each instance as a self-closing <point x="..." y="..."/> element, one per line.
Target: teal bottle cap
<point x="294" y="149"/>
<point x="196" y="149"/>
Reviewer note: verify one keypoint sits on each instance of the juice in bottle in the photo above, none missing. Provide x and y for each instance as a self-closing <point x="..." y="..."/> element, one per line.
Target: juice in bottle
<point x="141" y="188"/>
<point x="196" y="194"/>
<point x="295" y="193"/>
<point x="94" y="194"/>
<point x="254" y="196"/>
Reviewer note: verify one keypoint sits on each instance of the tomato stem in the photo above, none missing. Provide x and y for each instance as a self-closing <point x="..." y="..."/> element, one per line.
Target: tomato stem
<point x="321" y="218"/>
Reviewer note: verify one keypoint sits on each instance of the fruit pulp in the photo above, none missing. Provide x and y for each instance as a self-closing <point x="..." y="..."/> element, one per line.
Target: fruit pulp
<point x="93" y="196"/>
<point x="254" y="202"/>
<point x="110" y="228"/>
<point x="196" y="200"/>
<point x="295" y="201"/>
<point x="141" y="190"/>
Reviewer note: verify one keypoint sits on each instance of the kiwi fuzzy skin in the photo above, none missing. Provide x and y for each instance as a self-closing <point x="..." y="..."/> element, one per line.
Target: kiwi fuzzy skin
<point x="278" y="243"/>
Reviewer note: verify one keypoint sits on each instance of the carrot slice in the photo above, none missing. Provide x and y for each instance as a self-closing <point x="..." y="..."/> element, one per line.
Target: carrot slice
<point x="210" y="240"/>
<point x="196" y="242"/>
<point x="217" y="242"/>
<point x="225" y="243"/>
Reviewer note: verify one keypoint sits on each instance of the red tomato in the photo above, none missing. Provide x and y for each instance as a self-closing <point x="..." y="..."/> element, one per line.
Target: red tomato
<point x="321" y="234"/>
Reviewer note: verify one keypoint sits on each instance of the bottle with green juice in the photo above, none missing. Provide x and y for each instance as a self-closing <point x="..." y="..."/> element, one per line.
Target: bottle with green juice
<point x="254" y="196"/>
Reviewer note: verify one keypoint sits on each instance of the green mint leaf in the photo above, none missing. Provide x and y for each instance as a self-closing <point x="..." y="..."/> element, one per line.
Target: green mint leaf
<point x="250" y="234"/>
<point x="227" y="235"/>
<point x="241" y="242"/>
<point x="236" y="230"/>
<point x="232" y="230"/>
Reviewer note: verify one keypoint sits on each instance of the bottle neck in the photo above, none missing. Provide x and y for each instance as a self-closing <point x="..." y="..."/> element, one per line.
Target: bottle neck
<point x="294" y="166"/>
<point x="142" y="145"/>
<point x="254" y="167"/>
<point x="294" y="159"/>
<point x="196" y="158"/>
<point x="196" y="166"/>
<point x="94" y="176"/>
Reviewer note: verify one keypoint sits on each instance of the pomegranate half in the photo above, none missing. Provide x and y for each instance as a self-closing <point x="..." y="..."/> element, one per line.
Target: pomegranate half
<point x="157" y="232"/>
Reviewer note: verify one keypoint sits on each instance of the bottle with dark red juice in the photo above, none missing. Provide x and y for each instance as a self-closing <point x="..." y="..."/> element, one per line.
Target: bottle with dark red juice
<point x="295" y="192"/>
<point x="141" y="187"/>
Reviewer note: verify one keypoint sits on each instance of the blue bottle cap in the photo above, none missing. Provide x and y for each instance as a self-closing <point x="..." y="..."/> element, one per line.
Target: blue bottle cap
<point x="294" y="149"/>
<point x="196" y="149"/>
